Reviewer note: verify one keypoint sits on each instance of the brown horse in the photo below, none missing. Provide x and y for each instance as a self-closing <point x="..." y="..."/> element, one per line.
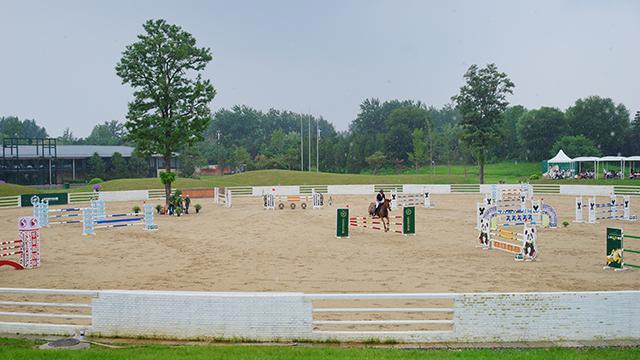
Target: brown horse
<point x="382" y="213"/>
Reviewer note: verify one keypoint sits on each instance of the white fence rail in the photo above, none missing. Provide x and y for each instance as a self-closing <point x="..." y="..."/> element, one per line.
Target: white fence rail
<point x="67" y="313"/>
<point x="10" y="201"/>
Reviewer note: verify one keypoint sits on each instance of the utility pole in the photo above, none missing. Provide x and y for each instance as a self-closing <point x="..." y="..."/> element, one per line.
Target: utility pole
<point x="301" y="147"/>
<point x="317" y="147"/>
<point x="309" y="143"/>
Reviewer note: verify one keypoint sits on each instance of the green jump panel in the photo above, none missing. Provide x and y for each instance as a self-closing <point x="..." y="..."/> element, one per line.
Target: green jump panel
<point x="342" y="223"/>
<point x="409" y="220"/>
<point x="614" y="248"/>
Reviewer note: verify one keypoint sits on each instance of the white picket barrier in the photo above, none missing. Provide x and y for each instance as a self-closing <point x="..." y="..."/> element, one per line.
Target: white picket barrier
<point x="413" y="199"/>
<point x="224" y="199"/>
<point x="609" y="209"/>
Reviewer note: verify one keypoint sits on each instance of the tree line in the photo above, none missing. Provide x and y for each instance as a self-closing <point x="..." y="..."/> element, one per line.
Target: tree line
<point x="394" y="134"/>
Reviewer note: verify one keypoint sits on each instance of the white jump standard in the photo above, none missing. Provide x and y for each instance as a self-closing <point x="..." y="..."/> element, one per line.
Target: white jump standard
<point x="410" y="199"/>
<point x="611" y="210"/>
<point x="224" y="199"/>
<point x="44" y="214"/>
<point x="523" y="245"/>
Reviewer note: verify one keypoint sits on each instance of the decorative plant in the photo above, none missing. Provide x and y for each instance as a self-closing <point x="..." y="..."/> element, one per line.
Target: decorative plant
<point x="198" y="207"/>
<point x="565" y="223"/>
<point x="158" y="208"/>
<point x="178" y="211"/>
<point x="97" y="187"/>
<point x="95" y="181"/>
<point x="136" y="209"/>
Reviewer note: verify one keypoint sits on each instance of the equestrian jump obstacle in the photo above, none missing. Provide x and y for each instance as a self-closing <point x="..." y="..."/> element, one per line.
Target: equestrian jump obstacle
<point x="522" y="244"/>
<point x="540" y="214"/>
<point x="44" y="214"/>
<point x="509" y="197"/>
<point x="90" y="221"/>
<point x="406" y="222"/>
<point x="27" y="246"/>
<point x="410" y="199"/>
<point x="270" y="200"/>
<point x="224" y="199"/>
<point x="616" y="250"/>
<point x="611" y="208"/>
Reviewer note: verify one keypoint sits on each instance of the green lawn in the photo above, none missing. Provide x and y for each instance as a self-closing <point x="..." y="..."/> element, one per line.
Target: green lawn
<point x="24" y="349"/>
<point x="509" y="172"/>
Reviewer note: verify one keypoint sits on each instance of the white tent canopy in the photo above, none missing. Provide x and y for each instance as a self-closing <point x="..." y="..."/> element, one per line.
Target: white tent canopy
<point x="586" y="159"/>
<point x="560" y="158"/>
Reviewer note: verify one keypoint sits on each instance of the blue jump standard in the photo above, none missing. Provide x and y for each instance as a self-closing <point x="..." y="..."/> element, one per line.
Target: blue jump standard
<point x="118" y="220"/>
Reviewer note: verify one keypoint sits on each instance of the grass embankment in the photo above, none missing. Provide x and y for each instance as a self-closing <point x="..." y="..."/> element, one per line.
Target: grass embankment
<point x="502" y="172"/>
<point x="24" y="349"/>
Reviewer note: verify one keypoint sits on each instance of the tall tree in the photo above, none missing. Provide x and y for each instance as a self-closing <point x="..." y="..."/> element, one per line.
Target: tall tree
<point x="575" y="146"/>
<point x="96" y="167"/>
<point x="539" y="129"/>
<point x="602" y="121"/>
<point x="481" y="102"/>
<point x="170" y="109"/>
<point x="118" y="168"/>
<point x="419" y="154"/>
<point x="109" y="133"/>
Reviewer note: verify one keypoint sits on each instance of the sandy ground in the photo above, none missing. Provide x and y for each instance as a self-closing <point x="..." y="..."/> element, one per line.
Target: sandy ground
<point x="246" y="248"/>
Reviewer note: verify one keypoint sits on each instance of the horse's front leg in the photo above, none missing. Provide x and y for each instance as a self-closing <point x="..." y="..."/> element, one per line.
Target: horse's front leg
<point x="386" y="224"/>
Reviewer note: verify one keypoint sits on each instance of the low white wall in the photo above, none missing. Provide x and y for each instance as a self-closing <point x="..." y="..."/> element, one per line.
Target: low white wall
<point x="420" y="188"/>
<point x="260" y="316"/>
<point x="350" y="189"/>
<point x="593" y="190"/>
<point x="548" y="316"/>
<point x="279" y="190"/>
<point x="128" y="195"/>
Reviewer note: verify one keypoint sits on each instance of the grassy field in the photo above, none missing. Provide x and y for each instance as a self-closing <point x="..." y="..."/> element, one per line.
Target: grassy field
<point x="501" y="172"/>
<point x="24" y="349"/>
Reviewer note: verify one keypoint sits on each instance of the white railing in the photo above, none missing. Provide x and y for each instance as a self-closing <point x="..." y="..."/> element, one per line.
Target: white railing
<point x="407" y="318"/>
<point x="10" y="201"/>
<point x="69" y="311"/>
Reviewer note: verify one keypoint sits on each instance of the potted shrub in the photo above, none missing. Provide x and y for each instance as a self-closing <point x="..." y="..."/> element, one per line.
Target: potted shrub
<point x="136" y="209"/>
<point x="158" y="208"/>
<point x="178" y="211"/>
<point x="198" y="207"/>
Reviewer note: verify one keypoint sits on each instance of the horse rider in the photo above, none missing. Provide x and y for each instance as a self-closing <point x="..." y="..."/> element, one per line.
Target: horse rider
<point x="380" y="197"/>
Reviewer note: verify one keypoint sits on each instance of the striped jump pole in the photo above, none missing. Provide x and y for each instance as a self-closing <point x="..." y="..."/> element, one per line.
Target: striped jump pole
<point x="90" y="222"/>
<point x="27" y="246"/>
<point x="616" y="250"/>
<point x="522" y="244"/>
<point x="406" y="221"/>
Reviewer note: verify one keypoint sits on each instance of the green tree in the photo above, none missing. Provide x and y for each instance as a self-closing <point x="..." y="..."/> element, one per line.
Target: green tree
<point x="481" y="102"/>
<point x="510" y="146"/>
<point x="601" y="120"/>
<point x="539" y="129"/>
<point x="240" y="157"/>
<point x="109" y="133"/>
<point x="376" y="160"/>
<point x="138" y="167"/>
<point x="95" y="167"/>
<point x="419" y="154"/>
<point x="189" y="159"/>
<point x="12" y="126"/>
<point x="170" y="109"/>
<point x="119" y="169"/>
<point x="575" y="146"/>
<point x="67" y="138"/>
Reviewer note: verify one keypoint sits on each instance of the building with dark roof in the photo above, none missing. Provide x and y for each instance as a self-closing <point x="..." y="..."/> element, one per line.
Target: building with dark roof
<point x="43" y="162"/>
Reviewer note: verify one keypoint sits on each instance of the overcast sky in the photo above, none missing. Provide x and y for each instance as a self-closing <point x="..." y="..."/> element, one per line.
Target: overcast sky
<point x="57" y="58"/>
